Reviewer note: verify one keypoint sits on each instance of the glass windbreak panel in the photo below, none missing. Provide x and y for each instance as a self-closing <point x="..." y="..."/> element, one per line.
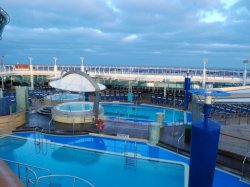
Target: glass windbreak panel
<point x="76" y="107"/>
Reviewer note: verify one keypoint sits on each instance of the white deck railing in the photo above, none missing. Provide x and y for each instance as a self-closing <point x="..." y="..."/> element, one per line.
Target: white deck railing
<point x="171" y="74"/>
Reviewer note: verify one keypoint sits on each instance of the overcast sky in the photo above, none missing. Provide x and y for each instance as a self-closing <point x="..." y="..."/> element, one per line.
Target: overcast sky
<point x="128" y="32"/>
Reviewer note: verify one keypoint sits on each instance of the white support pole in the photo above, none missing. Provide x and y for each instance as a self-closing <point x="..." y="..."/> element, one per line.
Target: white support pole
<point x="165" y="81"/>
<point x="55" y="66"/>
<point x="245" y="62"/>
<point x="82" y="67"/>
<point x="205" y="60"/>
<point x="165" y="89"/>
<point x="31" y="73"/>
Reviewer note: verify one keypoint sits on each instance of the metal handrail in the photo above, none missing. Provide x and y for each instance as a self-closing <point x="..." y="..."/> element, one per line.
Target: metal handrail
<point x="50" y="122"/>
<point x="27" y="169"/>
<point x="37" y="135"/>
<point x="243" y="163"/>
<point x="28" y="181"/>
<point x="69" y="176"/>
<point x="178" y="141"/>
<point x="135" y="155"/>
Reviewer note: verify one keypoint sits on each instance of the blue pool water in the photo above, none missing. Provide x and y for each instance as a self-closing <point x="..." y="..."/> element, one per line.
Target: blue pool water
<point x="17" y="150"/>
<point x="142" y="113"/>
<point x="75" y="106"/>
<point x="99" y="168"/>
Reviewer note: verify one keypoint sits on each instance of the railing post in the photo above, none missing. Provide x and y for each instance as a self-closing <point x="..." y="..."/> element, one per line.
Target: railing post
<point x="31" y="73"/>
<point x="220" y="140"/>
<point x="26" y="176"/>
<point x="248" y="146"/>
<point x="18" y="170"/>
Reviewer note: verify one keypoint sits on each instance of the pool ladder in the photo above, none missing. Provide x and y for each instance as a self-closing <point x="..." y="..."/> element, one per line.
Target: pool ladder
<point x="40" y="144"/>
<point x="130" y="158"/>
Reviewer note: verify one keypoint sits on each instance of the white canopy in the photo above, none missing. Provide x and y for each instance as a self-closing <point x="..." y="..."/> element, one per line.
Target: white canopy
<point x="76" y="83"/>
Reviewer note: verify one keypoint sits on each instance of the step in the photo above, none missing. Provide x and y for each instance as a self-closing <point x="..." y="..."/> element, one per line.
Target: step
<point x="44" y="109"/>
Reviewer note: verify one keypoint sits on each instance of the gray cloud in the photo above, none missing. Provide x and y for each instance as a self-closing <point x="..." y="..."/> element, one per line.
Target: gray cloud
<point x="118" y="32"/>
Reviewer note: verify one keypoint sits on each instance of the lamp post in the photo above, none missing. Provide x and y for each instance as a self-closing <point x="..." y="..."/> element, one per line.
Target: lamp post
<point x="166" y="80"/>
<point x="55" y="59"/>
<point x="205" y="60"/>
<point x="82" y="67"/>
<point x="31" y="73"/>
<point x="245" y="62"/>
<point x="55" y="66"/>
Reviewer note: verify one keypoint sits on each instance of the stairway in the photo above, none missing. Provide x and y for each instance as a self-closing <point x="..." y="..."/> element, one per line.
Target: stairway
<point x="45" y="110"/>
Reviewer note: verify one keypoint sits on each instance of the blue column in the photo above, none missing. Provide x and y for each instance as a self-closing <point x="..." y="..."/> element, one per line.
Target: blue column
<point x="187" y="88"/>
<point x="204" y="146"/>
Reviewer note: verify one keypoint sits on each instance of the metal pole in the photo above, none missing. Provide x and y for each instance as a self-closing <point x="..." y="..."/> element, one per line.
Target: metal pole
<point x="205" y="60"/>
<point x="55" y="66"/>
<point x="165" y="89"/>
<point x="31" y="73"/>
<point x="82" y="67"/>
<point x="245" y="62"/>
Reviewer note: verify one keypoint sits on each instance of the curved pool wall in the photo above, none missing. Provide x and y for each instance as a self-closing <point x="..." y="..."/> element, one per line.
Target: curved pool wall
<point x="143" y="113"/>
<point x="74" y="116"/>
<point x="62" y="98"/>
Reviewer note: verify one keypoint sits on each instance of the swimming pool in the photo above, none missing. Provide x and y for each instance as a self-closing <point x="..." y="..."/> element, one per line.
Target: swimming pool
<point x="107" y="144"/>
<point x="99" y="168"/>
<point x="74" y="113"/>
<point x="75" y="106"/>
<point x="142" y="113"/>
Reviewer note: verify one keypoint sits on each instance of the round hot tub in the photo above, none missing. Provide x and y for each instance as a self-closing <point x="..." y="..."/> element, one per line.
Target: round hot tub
<point x="74" y="115"/>
<point x="62" y="98"/>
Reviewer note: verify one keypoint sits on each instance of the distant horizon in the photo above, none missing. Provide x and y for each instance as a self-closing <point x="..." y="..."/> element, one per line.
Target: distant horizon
<point x="133" y="33"/>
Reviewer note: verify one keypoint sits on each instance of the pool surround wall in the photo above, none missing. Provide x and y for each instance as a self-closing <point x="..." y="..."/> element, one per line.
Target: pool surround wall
<point x="10" y="122"/>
